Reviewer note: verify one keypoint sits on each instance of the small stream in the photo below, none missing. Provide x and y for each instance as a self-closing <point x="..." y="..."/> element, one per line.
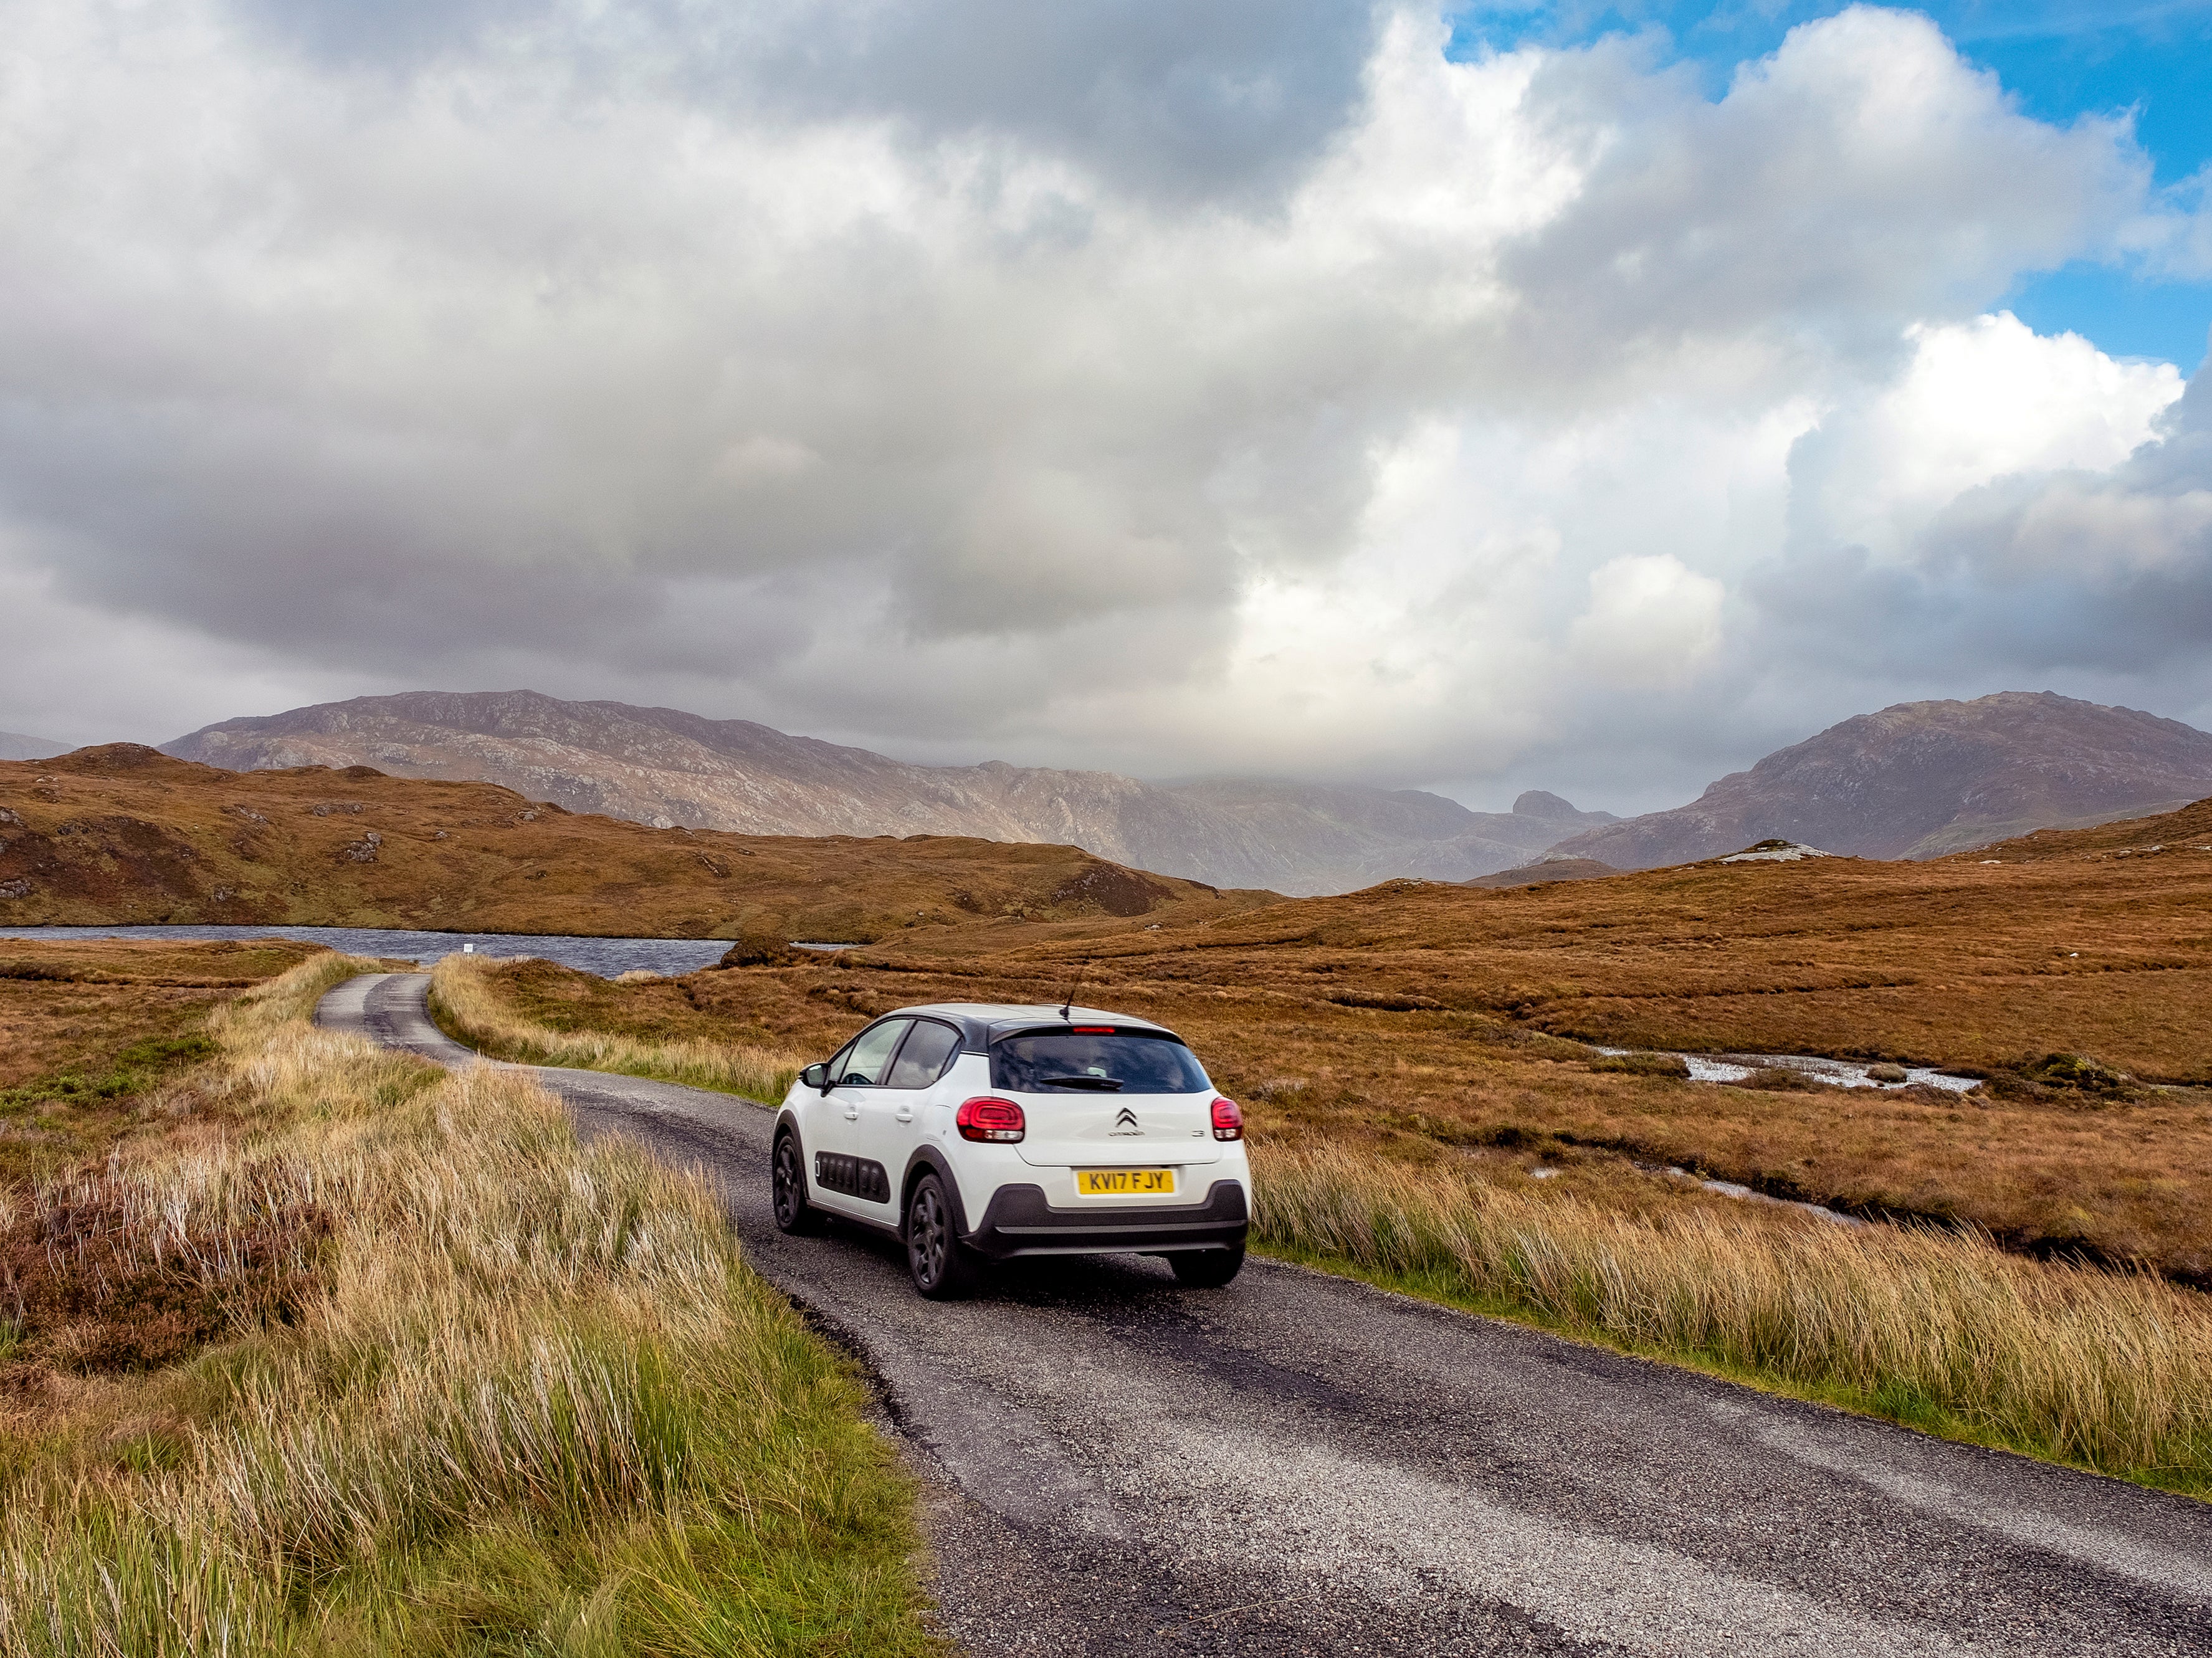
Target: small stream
<point x="1842" y="1073"/>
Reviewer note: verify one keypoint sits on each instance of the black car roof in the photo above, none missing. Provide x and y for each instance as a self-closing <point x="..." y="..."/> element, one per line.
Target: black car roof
<point x="982" y="1024"/>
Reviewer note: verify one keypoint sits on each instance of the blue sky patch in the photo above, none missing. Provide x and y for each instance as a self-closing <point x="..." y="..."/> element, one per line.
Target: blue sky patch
<point x="2060" y="59"/>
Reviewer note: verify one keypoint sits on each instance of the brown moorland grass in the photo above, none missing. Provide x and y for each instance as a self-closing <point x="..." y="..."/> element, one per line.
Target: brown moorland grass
<point x="91" y="1030"/>
<point x="467" y="1001"/>
<point x="126" y="834"/>
<point x="2107" y="1371"/>
<point x="1415" y="1019"/>
<point x="450" y="1382"/>
<point x="1937" y="1328"/>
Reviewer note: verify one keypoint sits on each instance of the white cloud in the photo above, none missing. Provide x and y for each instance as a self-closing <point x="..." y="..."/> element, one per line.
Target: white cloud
<point x="1975" y="401"/>
<point x="1651" y="622"/>
<point x="1172" y="391"/>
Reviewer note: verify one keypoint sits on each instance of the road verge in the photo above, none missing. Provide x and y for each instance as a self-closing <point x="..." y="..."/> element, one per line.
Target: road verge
<point x="1931" y="1327"/>
<point x="480" y="1387"/>
<point x="467" y="1008"/>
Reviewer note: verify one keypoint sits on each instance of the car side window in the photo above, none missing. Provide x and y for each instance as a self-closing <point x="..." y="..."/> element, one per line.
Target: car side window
<point x="922" y="1058"/>
<point x="863" y="1063"/>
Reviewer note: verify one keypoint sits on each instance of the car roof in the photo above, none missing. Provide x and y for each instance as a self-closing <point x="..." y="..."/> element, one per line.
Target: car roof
<point x="982" y="1024"/>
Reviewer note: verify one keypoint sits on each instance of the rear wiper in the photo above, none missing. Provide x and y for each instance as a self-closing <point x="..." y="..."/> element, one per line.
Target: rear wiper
<point x="1104" y="1085"/>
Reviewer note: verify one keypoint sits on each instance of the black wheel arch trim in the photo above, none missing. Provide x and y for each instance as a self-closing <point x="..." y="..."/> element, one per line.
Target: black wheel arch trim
<point x="927" y="1159"/>
<point x="787" y="1122"/>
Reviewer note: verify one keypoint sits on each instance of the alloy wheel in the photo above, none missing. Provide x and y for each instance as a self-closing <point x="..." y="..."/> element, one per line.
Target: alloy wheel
<point x="787" y="1186"/>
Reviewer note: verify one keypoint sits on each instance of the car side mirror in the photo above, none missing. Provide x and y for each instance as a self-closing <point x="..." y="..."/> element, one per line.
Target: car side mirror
<point x="816" y="1076"/>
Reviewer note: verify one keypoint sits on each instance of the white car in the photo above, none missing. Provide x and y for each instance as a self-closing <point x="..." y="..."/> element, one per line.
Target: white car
<point x="978" y="1133"/>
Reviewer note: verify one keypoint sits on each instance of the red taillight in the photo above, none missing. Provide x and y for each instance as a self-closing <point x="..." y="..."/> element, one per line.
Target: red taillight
<point x="1091" y="1030"/>
<point x="986" y="1117"/>
<point x="1228" y="1121"/>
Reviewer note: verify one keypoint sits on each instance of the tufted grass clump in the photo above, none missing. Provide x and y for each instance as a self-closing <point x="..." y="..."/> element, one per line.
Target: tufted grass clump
<point x="518" y="1394"/>
<point x="466" y="1002"/>
<point x="2107" y="1371"/>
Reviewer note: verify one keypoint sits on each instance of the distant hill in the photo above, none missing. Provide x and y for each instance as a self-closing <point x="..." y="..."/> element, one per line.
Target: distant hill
<point x="1925" y="779"/>
<point x="125" y="834"/>
<point x="1545" y="871"/>
<point x="2183" y="836"/>
<point x="14" y="745"/>
<point x="666" y="767"/>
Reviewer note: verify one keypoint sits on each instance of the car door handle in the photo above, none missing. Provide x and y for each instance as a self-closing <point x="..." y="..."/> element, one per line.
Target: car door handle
<point x="905" y="1113"/>
<point x="851" y="1113"/>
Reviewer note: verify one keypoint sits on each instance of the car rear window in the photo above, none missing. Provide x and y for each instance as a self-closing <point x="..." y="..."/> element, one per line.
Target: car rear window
<point x="1075" y="1062"/>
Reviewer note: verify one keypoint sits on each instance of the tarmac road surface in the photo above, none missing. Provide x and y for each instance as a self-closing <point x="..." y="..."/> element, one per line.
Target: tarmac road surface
<point x="1298" y="1464"/>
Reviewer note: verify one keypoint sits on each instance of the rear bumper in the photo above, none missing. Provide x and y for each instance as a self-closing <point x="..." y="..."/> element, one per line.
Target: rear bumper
<point x="1019" y="1222"/>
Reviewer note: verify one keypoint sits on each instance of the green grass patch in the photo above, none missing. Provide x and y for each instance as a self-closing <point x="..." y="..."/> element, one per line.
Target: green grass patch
<point x="136" y="1069"/>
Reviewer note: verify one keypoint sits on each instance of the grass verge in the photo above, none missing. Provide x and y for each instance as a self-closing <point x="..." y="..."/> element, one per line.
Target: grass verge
<point x="468" y="1007"/>
<point x="475" y="1387"/>
<point x="2107" y="1371"/>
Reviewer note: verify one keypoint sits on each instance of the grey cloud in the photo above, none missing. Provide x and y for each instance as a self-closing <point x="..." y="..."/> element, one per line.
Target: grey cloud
<point x="1229" y="100"/>
<point x="2104" y="573"/>
<point x="891" y="374"/>
<point x="1234" y="96"/>
<point x="396" y="35"/>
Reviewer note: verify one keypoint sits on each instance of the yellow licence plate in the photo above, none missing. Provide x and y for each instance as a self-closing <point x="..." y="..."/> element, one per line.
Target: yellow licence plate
<point x="1097" y="1182"/>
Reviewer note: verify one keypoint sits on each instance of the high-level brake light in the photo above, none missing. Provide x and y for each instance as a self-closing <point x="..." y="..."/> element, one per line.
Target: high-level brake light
<point x="987" y="1117"/>
<point x="1228" y="1121"/>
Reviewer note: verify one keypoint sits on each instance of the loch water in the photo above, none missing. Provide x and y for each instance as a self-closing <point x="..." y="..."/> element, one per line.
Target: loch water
<point x="605" y="956"/>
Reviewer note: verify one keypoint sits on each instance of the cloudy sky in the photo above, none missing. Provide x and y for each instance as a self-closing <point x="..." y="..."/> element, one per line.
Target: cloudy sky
<point x="1583" y="397"/>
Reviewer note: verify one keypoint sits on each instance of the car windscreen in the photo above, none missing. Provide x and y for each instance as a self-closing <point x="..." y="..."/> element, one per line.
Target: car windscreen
<point x="1110" y="1062"/>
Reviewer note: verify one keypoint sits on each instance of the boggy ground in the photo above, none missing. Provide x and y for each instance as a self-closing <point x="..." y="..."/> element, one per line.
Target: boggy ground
<point x="91" y="1031"/>
<point x="1432" y="1023"/>
<point x="100" y="1042"/>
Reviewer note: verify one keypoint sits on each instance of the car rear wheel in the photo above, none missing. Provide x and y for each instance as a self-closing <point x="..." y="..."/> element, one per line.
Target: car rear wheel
<point x="787" y="1187"/>
<point x="942" y="1266"/>
<point x="1207" y="1269"/>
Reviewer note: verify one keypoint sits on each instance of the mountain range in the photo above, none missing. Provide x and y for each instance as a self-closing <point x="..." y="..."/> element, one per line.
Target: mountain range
<point x="667" y="767"/>
<point x="1915" y="780"/>
<point x="1923" y="779"/>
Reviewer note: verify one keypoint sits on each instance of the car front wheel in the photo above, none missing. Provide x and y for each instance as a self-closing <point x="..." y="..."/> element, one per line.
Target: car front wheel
<point x="942" y="1266"/>
<point x="787" y="1187"/>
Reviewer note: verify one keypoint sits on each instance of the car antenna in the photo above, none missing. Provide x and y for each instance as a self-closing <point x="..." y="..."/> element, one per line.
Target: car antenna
<point x="1067" y="1007"/>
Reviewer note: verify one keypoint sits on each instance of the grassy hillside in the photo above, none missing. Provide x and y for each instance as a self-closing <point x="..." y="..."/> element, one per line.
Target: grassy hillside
<point x="123" y="833"/>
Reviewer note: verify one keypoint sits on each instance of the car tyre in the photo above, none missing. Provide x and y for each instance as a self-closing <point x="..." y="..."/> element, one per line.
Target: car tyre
<point x="1207" y="1269"/>
<point x="943" y="1266"/>
<point x="787" y="1189"/>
